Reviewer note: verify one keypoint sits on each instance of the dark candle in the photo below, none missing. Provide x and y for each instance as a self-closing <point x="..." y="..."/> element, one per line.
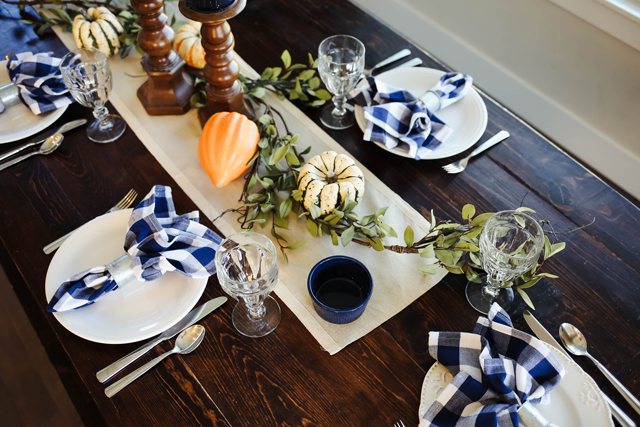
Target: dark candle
<point x="209" y="5"/>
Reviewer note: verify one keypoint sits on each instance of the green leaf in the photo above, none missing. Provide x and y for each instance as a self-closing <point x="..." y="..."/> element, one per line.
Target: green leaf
<point x="530" y="283"/>
<point x="376" y="243"/>
<point x="306" y="75"/>
<point x="334" y="238"/>
<point x="453" y="269"/>
<point x="466" y="247"/>
<point x="519" y="220"/>
<point x="278" y="155"/>
<point x="445" y="256"/>
<point x="409" y="236"/>
<point x="468" y="211"/>
<point x="549" y="275"/>
<point x="472" y="276"/>
<point x="285" y="207"/>
<point x="428" y="252"/>
<point x="296" y="245"/>
<point x="347" y="236"/>
<point x="431" y="269"/>
<point x="312" y="227"/>
<point x="257" y="197"/>
<point x="381" y="211"/>
<point x="389" y="229"/>
<point x="525" y="297"/>
<point x="473" y="232"/>
<point x="286" y="59"/>
<point x="297" y="195"/>
<point x="525" y="209"/>
<point x="481" y="219"/>
<point x="323" y="94"/>
<point x="258" y="92"/>
<point x="266" y="119"/>
<point x="547" y="247"/>
<point x="292" y="159"/>
<point x="315" y="211"/>
<point x="314" y="83"/>
<point x="556" y="248"/>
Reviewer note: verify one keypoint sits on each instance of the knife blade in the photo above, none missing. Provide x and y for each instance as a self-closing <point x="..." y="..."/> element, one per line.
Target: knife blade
<point x="191" y="318"/>
<point x="40" y="138"/>
<point x="544" y="336"/>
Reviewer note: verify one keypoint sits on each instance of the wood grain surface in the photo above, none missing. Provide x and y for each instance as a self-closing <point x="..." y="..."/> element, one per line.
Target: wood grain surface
<point x="286" y="379"/>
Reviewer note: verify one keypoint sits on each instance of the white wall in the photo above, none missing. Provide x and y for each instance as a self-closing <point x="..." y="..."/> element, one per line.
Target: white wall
<point x="569" y="79"/>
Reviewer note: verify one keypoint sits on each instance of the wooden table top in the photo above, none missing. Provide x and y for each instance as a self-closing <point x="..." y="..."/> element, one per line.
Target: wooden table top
<point x="286" y="378"/>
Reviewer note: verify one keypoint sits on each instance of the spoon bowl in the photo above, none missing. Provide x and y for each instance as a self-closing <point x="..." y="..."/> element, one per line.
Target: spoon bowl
<point x="48" y="146"/>
<point x="576" y="343"/>
<point x="189" y="339"/>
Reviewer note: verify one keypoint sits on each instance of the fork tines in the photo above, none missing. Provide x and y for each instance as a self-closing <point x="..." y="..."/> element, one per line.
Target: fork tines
<point x="126" y="200"/>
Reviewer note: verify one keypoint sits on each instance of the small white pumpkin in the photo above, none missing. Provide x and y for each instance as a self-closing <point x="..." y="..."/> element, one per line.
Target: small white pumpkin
<point x="188" y="44"/>
<point x="327" y="179"/>
<point x="100" y="31"/>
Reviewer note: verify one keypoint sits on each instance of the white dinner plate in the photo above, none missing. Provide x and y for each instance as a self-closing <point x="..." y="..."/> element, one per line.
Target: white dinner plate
<point x="136" y="312"/>
<point x="575" y="402"/>
<point x="18" y="121"/>
<point x="467" y="117"/>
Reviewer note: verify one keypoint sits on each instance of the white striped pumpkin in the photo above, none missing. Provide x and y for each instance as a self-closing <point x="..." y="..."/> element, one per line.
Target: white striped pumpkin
<point x="100" y="30"/>
<point x="327" y="179"/>
<point x="188" y="44"/>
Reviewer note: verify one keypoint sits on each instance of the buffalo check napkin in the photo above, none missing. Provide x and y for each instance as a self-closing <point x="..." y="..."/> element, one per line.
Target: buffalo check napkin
<point x="396" y="117"/>
<point x="39" y="81"/>
<point x="158" y="240"/>
<point x="497" y="368"/>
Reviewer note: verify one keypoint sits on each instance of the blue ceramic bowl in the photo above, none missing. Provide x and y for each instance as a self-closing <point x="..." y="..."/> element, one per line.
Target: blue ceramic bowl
<point x="340" y="288"/>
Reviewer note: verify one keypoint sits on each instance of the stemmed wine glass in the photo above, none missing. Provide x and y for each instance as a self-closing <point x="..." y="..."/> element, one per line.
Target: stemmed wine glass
<point x="340" y="64"/>
<point x="510" y="244"/>
<point x="87" y="75"/>
<point x="247" y="268"/>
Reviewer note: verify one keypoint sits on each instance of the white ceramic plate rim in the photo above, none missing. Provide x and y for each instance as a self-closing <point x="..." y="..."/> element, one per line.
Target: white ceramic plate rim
<point x="40" y="122"/>
<point x="193" y="288"/>
<point x="572" y="368"/>
<point x="453" y="145"/>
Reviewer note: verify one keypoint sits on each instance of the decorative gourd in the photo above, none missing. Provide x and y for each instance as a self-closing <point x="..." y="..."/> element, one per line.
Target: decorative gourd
<point x="227" y="143"/>
<point x="327" y="179"/>
<point x="188" y="44"/>
<point x="100" y="31"/>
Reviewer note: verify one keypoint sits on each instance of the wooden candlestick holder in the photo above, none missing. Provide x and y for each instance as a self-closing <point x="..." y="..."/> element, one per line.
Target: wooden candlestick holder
<point x="169" y="87"/>
<point x="224" y="91"/>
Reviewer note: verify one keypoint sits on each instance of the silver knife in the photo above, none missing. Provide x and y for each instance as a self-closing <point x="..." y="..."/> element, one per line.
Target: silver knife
<point x="40" y="138"/>
<point x="194" y="316"/>
<point x="545" y="336"/>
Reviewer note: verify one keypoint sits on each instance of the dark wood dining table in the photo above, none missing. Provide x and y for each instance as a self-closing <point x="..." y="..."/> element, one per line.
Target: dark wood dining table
<point x="286" y="378"/>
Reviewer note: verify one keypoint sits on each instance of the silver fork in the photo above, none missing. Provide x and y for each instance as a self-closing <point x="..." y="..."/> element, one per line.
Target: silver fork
<point x="122" y="204"/>
<point x="398" y="424"/>
<point x="460" y="165"/>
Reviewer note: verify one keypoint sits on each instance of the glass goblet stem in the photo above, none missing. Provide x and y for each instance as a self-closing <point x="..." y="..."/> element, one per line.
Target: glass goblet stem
<point x="100" y="112"/>
<point x="492" y="287"/>
<point x="339" y="109"/>
<point x="256" y="307"/>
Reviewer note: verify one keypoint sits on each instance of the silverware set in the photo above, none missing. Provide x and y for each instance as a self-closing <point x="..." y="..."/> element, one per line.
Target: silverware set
<point x="575" y="342"/>
<point x="415" y="62"/>
<point x="189" y="338"/>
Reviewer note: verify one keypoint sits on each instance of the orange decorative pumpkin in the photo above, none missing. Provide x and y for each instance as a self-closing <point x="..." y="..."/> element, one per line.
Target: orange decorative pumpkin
<point x="227" y="143"/>
<point x="188" y="44"/>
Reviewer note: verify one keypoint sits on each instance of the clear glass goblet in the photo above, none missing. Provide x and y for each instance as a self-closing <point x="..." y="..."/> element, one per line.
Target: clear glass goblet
<point x="247" y="268"/>
<point x="87" y="75"/>
<point x="510" y="244"/>
<point x="340" y="64"/>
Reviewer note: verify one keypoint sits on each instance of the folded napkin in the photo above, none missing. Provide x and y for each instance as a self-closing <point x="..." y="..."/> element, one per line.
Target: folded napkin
<point x="39" y="81"/>
<point x="395" y="116"/>
<point x="497" y="369"/>
<point x="158" y="240"/>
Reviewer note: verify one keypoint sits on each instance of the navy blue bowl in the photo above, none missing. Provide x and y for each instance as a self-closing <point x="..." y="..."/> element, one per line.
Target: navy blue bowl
<point x="340" y="288"/>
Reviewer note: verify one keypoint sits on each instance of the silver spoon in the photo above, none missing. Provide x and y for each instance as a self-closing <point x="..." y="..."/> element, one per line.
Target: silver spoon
<point x="187" y="341"/>
<point x="47" y="147"/>
<point x="576" y="343"/>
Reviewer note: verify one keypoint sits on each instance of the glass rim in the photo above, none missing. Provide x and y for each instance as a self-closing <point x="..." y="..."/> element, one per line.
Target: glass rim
<point x="364" y="49"/>
<point x="539" y="244"/>
<point x="271" y="248"/>
<point x="75" y="52"/>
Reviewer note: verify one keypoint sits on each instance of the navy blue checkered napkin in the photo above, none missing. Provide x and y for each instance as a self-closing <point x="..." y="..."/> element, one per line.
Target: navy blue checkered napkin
<point x="158" y="240"/>
<point x="395" y="116"/>
<point x="497" y="369"/>
<point x="39" y="81"/>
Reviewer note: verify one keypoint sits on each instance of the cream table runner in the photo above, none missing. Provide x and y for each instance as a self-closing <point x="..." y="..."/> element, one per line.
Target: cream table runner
<point x="173" y="141"/>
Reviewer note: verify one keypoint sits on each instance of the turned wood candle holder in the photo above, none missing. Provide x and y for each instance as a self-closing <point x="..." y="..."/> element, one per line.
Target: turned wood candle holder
<point x="224" y="91"/>
<point x="169" y="87"/>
